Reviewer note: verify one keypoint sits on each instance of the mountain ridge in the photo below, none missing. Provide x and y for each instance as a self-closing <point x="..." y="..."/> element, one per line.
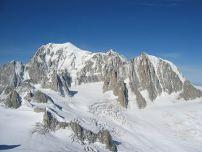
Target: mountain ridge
<point x="95" y="98"/>
<point x="58" y="63"/>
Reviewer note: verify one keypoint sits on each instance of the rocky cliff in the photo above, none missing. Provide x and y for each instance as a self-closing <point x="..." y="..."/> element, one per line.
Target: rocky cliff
<point x="155" y="76"/>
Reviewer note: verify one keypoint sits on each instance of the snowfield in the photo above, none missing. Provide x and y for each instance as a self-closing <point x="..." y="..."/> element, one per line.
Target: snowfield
<point x="166" y="125"/>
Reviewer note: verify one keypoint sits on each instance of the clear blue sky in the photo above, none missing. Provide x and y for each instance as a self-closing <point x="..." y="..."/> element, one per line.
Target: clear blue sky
<point x="171" y="29"/>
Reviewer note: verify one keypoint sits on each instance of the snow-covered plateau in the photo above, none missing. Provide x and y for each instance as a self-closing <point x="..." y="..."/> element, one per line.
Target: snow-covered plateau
<point x="70" y="100"/>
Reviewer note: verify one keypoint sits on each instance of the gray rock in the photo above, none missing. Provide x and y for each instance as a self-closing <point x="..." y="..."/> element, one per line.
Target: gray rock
<point x="26" y="86"/>
<point x="110" y="81"/>
<point x="63" y="125"/>
<point x="82" y="133"/>
<point x="13" y="100"/>
<point x="29" y="96"/>
<point x="77" y="129"/>
<point x="49" y="121"/>
<point x="59" y="82"/>
<point x="105" y="138"/>
<point x="156" y="76"/>
<point x="11" y="75"/>
<point x="190" y="92"/>
<point x="102" y="136"/>
<point x="37" y="67"/>
<point x="95" y="68"/>
<point x="7" y="90"/>
<point x="143" y="74"/>
<point x="119" y="88"/>
<point x="141" y="102"/>
<point x="38" y="110"/>
<point x="40" y="97"/>
<point x="122" y="93"/>
<point x="169" y="80"/>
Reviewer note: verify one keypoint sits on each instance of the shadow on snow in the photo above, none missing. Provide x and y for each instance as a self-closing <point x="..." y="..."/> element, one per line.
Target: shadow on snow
<point x="7" y="147"/>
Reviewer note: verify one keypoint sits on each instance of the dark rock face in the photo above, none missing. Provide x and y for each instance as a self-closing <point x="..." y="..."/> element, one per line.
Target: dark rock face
<point x="156" y="76"/>
<point x="37" y="68"/>
<point x="13" y="100"/>
<point x="143" y="74"/>
<point x="119" y="88"/>
<point x="102" y="136"/>
<point x="122" y="93"/>
<point x="60" y="82"/>
<point x="44" y="72"/>
<point x="11" y="75"/>
<point x="105" y="138"/>
<point x="190" y="92"/>
<point x="28" y="88"/>
<point x="169" y="80"/>
<point x="95" y="69"/>
<point x="8" y="89"/>
<point x="63" y="125"/>
<point x="82" y="133"/>
<point x="77" y="129"/>
<point x="57" y="81"/>
<point x="49" y="121"/>
<point x="38" y="110"/>
<point x="40" y="97"/>
<point x="110" y="81"/>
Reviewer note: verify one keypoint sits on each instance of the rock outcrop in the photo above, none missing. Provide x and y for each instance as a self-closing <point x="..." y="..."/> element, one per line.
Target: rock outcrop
<point x="49" y="120"/>
<point x="190" y="92"/>
<point x="110" y="81"/>
<point x="170" y="79"/>
<point x="37" y="67"/>
<point x="122" y="93"/>
<point x="144" y="76"/>
<point x="40" y="97"/>
<point x="141" y="102"/>
<point x="105" y="138"/>
<point x="8" y="89"/>
<point x="102" y="136"/>
<point x="13" y="100"/>
<point x="117" y="85"/>
<point x="60" y="82"/>
<point x="155" y="75"/>
<point x="80" y="132"/>
<point x="97" y="66"/>
<point x="11" y="75"/>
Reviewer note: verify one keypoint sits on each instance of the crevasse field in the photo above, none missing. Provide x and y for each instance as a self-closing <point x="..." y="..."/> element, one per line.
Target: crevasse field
<point x="165" y="125"/>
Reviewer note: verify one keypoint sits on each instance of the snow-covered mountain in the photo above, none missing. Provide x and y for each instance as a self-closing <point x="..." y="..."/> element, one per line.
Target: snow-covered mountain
<point x="91" y="101"/>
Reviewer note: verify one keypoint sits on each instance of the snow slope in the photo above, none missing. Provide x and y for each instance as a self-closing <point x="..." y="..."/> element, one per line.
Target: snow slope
<point x="69" y="57"/>
<point x="164" y="126"/>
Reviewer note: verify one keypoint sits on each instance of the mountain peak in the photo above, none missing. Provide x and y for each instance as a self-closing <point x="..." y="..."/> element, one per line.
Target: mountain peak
<point x="68" y="45"/>
<point x="143" y="53"/>
<point x="111" y="51"/>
